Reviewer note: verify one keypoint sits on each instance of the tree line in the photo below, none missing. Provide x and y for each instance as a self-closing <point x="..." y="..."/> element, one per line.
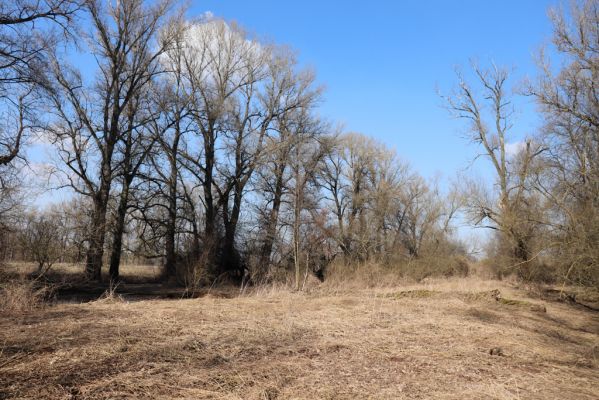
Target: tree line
<point x="195" y="144"/>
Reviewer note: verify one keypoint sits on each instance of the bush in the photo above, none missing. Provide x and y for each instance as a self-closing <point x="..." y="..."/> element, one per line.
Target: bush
<point x="192" y="274"/>
<point x="366" y="274"/>
<point x="537" y="272"/>
<point x="18" y="296"/>
<point x="372" y="274"/>
<point x="426" y="267"/>
<point x="534" y="271"/>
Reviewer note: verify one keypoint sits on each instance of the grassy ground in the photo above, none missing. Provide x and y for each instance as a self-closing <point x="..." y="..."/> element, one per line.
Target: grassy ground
<point x="417" y="342"/>
<point x="72" y="272"/>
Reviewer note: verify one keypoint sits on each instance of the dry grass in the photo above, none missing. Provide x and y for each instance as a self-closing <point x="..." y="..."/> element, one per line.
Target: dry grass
<point x="64" y="271"/>
<point x="423" y="341"/>
<point x="18" y="296"/>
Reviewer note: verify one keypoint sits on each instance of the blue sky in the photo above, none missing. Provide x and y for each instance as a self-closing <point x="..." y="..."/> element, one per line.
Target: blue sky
<point x="381" y="62"/>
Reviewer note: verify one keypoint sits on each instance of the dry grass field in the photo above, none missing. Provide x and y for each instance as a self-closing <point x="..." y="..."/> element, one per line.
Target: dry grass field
<point x="74" y="272"/>
<point x="411" y="342"/>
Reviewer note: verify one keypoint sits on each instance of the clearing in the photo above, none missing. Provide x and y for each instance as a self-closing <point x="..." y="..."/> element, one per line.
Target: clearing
<point x="414" y="342"/>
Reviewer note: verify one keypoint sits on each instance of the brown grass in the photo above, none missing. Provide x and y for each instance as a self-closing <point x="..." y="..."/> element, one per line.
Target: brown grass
<point x="131" y="273"/>
<point x="19" y="296"/>
<point x="432" y="341"/>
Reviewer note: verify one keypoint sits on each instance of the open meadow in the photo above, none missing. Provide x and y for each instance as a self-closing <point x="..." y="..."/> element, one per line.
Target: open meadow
<point x="423" y="341"/>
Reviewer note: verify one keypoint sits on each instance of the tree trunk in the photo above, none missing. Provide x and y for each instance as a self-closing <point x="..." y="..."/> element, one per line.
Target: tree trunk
<point x="521" y="251"/>
<point x="273" y="218"/>
<point x="117" y="236"/>
<point x="230" y="260"/>
<point x="297" y="209"/>
<point x="170" y="265"/>
<point x="210" y="240"/>
<point x="95" y="252"/>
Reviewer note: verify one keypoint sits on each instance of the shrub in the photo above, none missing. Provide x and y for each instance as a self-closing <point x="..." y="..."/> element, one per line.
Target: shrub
<point x="18" y="296"/>
<point x="372" y="274"/>
<point x="192" y="274"/>
<point x="537" y="272"/>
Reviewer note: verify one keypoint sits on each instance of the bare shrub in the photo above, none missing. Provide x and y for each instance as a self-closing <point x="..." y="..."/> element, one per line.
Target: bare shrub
<point x="18" y="296"/>
<point x="500" y="264"/>
<point x="193" y="274"/>
<point x="537" y="272"/>
<point x="373" y="274"/>
<point x="367" y="274"/>
<point x="41" y="237"/>
<point x="111" y="295"/>
<point x="434" y="266"/>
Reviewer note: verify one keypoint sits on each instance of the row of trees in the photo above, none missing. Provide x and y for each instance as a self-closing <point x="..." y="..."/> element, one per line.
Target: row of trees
<point x="348" y="196"/>
<point x="200" y="146"/>
<point x="197" y="144"/>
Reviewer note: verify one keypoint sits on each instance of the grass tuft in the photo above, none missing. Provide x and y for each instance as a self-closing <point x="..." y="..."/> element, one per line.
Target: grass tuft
<point x="20" y="296"/>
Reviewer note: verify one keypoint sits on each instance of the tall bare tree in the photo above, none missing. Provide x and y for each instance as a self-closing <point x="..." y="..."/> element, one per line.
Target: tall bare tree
<point x="91" y="120"/>
<point x="569" y="101"/>
<point x="135" y="145"/>
<point x="309" y="149"/>
<point x="508" y="214"/>
<point x="236" y="89"/>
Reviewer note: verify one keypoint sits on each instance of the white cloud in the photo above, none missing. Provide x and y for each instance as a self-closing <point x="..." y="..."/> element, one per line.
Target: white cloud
<point x="211" y="43"/>
<point x="512" y="149"/>
<point x="207" y="16"/>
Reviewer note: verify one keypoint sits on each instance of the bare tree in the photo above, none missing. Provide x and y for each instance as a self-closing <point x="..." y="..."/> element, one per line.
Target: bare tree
<point x="307" y="153"/>
<point x="25" y="39"/>
<point x="218" y="62"/>
<point x="135" y="145"/>
<point x="236" y="89"/>
<point x="508" y="214"/>
<point x="174" y="125"/>
<point x="90" y="122"/>
<point x="569" y="101"/>
<point x="360" y="178"/>
<point x="41" y="237"/>
<point x="272" y="186"/>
